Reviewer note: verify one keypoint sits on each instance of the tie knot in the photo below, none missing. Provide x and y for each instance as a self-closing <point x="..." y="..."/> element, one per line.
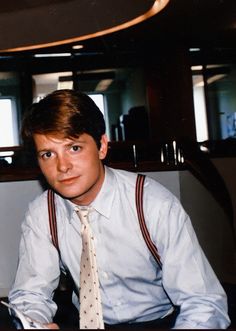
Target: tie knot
<point x="83" y="214"/>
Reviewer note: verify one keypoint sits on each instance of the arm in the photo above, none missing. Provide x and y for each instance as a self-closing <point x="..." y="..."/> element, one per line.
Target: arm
<point x="38" y="269"/>
<point x="187" y="276"/>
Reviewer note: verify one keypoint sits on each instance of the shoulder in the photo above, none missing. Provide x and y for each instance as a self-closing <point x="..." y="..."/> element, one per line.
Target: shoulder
<point x="159" y="202"/>
<point x="154" y="192"/>
<point x="159" y="197"/>
<point x="123" y="181"/>
<point x="151" y="186"/>
<point x="164" y="212"/>
<point x="39" y="203"/>
<point x="37" y="213"/>
<point x="123" y="176"/>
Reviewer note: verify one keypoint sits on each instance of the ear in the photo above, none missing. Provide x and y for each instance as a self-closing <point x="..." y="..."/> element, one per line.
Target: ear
<point x="104" y="146"/>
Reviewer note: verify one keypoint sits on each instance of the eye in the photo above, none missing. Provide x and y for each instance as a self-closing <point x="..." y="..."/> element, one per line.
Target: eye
<point x="46" y="155"/>
<point x="75" y="148"/>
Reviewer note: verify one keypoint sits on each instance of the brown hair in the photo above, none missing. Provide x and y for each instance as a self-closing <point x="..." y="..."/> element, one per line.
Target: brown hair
<point x="66" y="112"/>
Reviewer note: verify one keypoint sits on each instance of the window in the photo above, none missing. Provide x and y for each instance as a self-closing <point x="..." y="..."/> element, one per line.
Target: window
<point x="214" y="101"/>
<point x="98" y="99"/>
<point x="8" y="123"/>
<point x="200" y="108"/>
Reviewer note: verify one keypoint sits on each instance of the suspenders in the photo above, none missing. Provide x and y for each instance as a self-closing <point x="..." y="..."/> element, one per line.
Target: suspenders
<point x="52" y="219"/>
<point x="139" y="205"/>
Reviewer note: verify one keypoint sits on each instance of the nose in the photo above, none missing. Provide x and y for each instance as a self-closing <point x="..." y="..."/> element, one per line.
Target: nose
<point x="63" y="164"/>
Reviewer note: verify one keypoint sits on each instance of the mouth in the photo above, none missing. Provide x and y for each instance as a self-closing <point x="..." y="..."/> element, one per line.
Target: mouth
<point x="67" y="181"/>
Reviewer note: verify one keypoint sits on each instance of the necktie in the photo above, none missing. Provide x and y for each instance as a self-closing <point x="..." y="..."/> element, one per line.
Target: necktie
<point x="90" y="299"/>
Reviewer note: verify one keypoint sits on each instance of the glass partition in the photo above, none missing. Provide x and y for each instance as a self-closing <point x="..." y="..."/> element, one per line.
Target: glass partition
<point x="215" y="106"/>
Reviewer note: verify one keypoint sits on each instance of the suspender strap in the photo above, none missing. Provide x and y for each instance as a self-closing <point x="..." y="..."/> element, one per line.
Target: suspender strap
<point x="139" y="205"/>
<point x="52" y="218"/>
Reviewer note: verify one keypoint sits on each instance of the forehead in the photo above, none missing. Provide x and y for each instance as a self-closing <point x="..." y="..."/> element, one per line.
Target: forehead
<point x="48" y="140"/>
<point x="54" y="138"/>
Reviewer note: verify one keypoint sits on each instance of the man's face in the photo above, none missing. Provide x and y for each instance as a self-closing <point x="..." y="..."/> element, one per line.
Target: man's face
<point x="72" y="167"/>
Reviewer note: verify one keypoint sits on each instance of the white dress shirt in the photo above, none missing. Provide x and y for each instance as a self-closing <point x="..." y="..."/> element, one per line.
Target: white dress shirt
<point x="133" y="288"/>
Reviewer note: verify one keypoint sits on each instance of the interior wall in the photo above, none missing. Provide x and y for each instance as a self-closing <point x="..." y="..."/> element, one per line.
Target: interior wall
<point x="212" y="226"/>
<point x="14" y="199"/>
<point x="226" y="167"/>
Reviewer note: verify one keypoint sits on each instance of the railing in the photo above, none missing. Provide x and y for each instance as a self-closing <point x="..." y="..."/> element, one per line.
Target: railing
<point x="145" y="156"/>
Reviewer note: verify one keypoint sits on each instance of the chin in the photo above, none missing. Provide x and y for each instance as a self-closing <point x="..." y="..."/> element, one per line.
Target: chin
<point x="68" y="193"/>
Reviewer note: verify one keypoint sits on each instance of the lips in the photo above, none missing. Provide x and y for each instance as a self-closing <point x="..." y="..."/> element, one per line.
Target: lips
<point x="67" y="180"/>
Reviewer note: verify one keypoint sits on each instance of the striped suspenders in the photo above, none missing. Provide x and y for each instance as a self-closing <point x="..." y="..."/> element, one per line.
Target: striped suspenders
<point x="52" y="219"/>
<point x="139" y="205"/>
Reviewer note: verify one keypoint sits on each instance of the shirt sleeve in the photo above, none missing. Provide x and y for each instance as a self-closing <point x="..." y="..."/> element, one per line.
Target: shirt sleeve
<point x="188" y="278"/>
<point x="38" y="270"/>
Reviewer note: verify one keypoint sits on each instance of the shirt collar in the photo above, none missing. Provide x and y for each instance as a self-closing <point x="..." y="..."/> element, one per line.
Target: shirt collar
<point x="70" y="208"/>
<point x="103" y="201"/>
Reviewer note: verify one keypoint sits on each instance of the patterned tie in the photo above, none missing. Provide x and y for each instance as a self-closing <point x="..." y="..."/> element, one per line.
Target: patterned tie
<point x="90" y="300"/>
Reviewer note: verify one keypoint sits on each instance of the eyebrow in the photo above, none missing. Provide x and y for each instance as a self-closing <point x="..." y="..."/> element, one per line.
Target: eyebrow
<point x="42" y="151"/>
<point x="67" y="144"/>
<point x="77" y="141"/>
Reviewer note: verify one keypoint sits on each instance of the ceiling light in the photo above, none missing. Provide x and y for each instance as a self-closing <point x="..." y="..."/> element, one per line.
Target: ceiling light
<point x="79" y="46"/>
<point x="194" y="49"/>
<point x="52" y="55"/>
<point x="197" y="68"/>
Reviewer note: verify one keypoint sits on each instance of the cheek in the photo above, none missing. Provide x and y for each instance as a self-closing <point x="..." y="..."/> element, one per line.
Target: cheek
<point x="47" y="169"/>
<point x="86" y="161"/>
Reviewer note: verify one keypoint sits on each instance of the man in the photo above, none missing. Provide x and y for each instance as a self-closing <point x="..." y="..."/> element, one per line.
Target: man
<point x="67" y="131"/>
